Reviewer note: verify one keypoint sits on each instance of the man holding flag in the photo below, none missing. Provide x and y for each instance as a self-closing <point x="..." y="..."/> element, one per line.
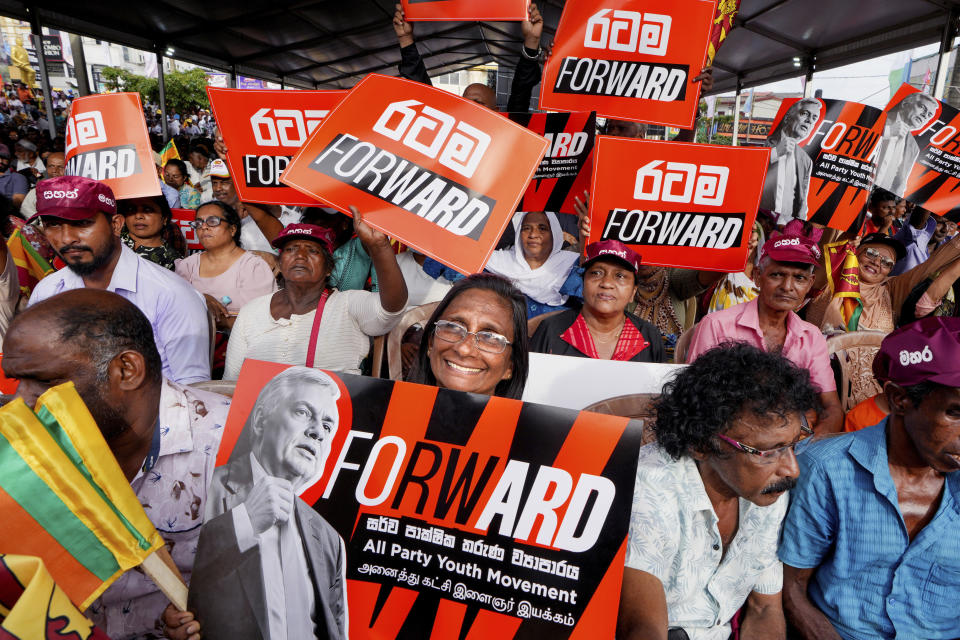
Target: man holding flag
<point x="163" y="435"/>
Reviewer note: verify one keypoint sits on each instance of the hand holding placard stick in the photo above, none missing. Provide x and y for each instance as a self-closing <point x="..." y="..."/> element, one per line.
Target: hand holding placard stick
<point x="65" y="499"/>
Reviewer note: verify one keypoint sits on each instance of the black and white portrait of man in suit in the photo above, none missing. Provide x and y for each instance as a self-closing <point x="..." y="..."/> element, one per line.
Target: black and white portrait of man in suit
<point x="269" y="566"/>
<point x="788" y="176"/>
<point x="898" y="147"/>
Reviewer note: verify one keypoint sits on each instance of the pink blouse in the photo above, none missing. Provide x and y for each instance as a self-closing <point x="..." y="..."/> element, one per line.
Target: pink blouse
<point x="248" y="278"/>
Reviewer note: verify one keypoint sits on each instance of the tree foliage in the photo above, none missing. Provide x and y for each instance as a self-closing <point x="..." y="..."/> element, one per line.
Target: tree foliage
<point x="183" y="89"/>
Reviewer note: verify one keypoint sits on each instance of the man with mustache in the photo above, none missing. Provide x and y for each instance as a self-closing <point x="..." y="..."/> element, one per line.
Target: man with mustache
<point x="269" y="566"/>
<point x="79" y="218"/>
<point x="899" y="148"/>
<point x="871" y="544"/>
<point x="784" y="277"/>
<point x="710" y="497"/>
<point x="788" y="178"/>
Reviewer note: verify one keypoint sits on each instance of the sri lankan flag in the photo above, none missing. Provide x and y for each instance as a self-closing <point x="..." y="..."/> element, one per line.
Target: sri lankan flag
<point x="33" y="607"/>
<point x="722" y="23"/>
<point x="31" y="266"/>
<point x="843" y="277"/>
<point x="168" y="153"/>
<point x="64" y="498"/>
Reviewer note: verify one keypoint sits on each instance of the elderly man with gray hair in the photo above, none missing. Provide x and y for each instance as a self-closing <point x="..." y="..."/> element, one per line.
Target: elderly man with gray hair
<point x="898" y="148"/>
<point x="268" y="565"/>
<point x="788" y="177"/>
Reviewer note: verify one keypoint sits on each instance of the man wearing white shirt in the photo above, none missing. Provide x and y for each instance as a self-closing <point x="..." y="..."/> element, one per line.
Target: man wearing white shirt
<point x="269" y="566"/>
<point x="899" y="148"/>
<point x="710" y="497"/>
<point x="788" y="177"/>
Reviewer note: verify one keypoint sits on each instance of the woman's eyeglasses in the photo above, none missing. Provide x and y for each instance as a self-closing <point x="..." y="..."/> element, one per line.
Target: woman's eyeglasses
<point x="210" y="221"/>
<point x="454" y="332"/>
<point x="769" y="456"/>
<point x="876" y="256"/>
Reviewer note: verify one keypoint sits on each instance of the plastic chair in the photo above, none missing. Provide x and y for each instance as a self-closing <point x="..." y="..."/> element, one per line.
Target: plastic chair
<point x="852" y="365"/>
<point x="223" y="387"/>
<point x="635" y="405"/>
<point x="534" y="322"/>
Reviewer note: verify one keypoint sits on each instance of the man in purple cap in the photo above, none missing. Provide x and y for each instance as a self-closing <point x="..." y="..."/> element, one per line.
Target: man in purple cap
<point x="784" y="277"/>
<point x="602" y="328"/>
<point x="79" y="219"/>
<point x="871" y="544"/>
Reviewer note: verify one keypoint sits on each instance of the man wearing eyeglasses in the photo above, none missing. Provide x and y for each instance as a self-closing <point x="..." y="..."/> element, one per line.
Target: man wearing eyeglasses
<point x="710" y="497"/>
<point x="871" y="545"/>
<point x="784" y="277"/>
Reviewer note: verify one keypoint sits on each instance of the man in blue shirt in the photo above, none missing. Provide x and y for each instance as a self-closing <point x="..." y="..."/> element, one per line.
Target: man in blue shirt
<point x="79" y="219"/>
<point x="871" y="544"/>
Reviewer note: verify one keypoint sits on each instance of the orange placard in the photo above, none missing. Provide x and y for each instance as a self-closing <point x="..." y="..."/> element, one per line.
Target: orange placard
<point x="106" y="140"/>
<point x="825" y="152"/>
<point x="919" y="156"/>
<point x="629" y="59"/>
<point x="262" y="130"/>
<point x="459" y="10"/>
<point x="439" y="173"/>
<point x="463" y="515"/>
<point x="677" y="204"/>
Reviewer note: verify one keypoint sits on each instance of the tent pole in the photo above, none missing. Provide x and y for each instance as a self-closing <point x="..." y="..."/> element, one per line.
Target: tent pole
<point x="736" y="118"/>
<point x="44" y="74"/>
<point x="163" y="96"/>
<point x="946" y="43"/>
<point x="80" y="64"/>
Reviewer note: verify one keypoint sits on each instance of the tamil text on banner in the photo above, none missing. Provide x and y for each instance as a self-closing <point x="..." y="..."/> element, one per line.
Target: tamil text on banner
<point x="821" y="161"/>
<point x="65" y="499"/>
<point x="676" y="204"/>
<point x="440" y="173"/>
<point x="629" y="59"/>
<point x="461" y="10"/>
<point x="564" y="172"/>
<point x="106" y="140"/>
<point x="262" y="131"/>
<point x="182" y="218"/>
<point x="920" y="153"/>
<point x="461" y="515"/>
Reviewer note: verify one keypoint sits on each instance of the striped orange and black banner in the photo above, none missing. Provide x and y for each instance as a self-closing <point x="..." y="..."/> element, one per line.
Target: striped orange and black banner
<point x="493" y="518"/>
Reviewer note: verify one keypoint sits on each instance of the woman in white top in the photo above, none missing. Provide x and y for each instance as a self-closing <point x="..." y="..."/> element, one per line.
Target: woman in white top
<point x="279" y="327"/>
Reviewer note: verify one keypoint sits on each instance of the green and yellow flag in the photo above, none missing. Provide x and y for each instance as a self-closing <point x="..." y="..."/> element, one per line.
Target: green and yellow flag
<point x="168" y="153"/>
<point x="65" y="499"/>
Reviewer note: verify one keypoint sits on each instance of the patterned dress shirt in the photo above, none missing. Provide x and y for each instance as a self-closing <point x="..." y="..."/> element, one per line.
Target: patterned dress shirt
<point x="674" y="536"/>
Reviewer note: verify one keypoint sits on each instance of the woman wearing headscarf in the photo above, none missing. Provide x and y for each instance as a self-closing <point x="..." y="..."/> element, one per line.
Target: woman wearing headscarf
<point x="537" y="264"/>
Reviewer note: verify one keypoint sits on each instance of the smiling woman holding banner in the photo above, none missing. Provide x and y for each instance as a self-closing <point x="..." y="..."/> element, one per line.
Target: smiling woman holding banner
<point x="306" y="322"/>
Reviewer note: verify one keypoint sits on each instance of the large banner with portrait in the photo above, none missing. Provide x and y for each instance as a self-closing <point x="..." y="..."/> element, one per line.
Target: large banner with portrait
<point x="676" y="204"/>
<point x="262" y="130"/>
<point x="464" y="10"/>
<point x="440" y="173"/>
<point x="107" y="140"/>
<point x="822" y="160"/>
<point x="564" y="173"/>
<point x="919" y="156"/>
<point x="440" y="514"/>
<point x="629" y="59"/>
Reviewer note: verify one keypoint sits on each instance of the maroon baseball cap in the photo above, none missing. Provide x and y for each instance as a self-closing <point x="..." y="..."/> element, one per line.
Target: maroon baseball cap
<point x="788" y="247"/>
<point x="928" y="349"/>
<point x="305" y="231"/>
<point x="613" y="249"/>
<point x="73" y="198"/>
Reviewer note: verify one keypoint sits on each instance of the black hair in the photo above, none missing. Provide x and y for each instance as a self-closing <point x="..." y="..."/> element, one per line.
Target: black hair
<point x="918" y="392"/>
<point x="422" y="372"/>
<point x="340" y="223"/>
<point x="230" y="216"/>
<point x="105" y="332"/>
<point x="881" y="195"/>
<point x="722" y="384"/>
<point x="160" y="201"/>
<point x="180" y="165"/>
